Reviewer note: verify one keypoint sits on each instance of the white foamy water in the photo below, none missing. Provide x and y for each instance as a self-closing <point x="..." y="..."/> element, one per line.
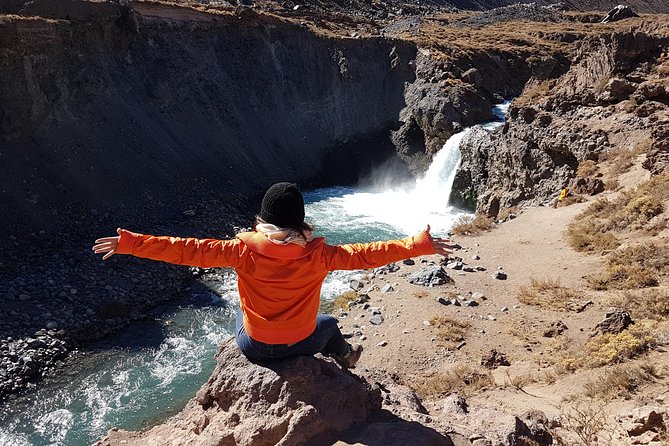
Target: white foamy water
<point x="348" y="214"/>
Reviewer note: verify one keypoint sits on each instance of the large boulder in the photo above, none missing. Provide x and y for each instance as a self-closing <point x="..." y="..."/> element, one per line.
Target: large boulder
<point x="281" y="403"/>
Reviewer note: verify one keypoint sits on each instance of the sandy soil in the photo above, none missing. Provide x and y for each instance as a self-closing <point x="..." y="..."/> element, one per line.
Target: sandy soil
<point x="533" y="245"/>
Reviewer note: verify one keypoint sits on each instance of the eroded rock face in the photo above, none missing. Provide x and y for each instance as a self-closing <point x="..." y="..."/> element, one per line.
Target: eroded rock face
<point x="282" y="403"/>
<point x="448" y="96"/>
<point x="555" y="125"/>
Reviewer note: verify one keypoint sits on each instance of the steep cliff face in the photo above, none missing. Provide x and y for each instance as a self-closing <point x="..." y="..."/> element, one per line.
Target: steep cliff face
<point x="612" y="98"/>
<point x="166" y="103"/>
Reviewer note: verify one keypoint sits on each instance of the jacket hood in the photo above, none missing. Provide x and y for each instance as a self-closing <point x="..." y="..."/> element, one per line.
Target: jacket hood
<point x="258" y="243"/>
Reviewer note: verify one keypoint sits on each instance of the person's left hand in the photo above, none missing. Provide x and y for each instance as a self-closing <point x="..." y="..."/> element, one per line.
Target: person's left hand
<point x="442" y="246"/>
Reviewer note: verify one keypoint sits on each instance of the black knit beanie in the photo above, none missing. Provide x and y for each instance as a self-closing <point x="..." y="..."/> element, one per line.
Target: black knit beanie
<point x="283" y="206"/>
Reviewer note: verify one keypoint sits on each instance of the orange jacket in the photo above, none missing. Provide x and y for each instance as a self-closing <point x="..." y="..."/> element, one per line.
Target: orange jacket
<point x="279" y="285"/>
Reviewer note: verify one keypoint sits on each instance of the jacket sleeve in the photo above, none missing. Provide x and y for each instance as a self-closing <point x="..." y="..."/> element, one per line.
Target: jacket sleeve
<point x="372" y="255"/>
<point x="205" y="253"/>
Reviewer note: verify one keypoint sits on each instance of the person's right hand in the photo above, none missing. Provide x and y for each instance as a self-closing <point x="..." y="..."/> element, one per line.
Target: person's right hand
<point x="107" y="245"/>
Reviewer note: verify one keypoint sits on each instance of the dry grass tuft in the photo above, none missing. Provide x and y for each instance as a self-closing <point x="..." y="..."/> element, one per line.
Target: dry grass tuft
<point x="462" y="378"/>
<point x="633" y="210"/>
<point x="623" y="277"/>
<point x="519" y="382"/>
<point x="644" y="304"/>
<point x="468" y="225"/>
<point x="343" y="301"/>
<point x="622" y="381"/>
<point x="587" y="168"/>
<point x="449" y="331"/>
<point x="637" y="266"/>
<point x="609" y="348"/>
<point x="549" y="293"/>
<point x="420" y="294"/>
<point x="584" y="236"/>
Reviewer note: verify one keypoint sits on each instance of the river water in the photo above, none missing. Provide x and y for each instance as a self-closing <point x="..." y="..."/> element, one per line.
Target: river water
<point x="147" y="373"/>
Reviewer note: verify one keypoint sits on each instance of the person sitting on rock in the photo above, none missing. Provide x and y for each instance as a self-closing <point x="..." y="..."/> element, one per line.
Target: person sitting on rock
<point x="280" y="268"/>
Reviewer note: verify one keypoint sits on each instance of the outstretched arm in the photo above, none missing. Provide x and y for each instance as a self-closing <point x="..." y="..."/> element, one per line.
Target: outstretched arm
<point x="372" y="255"/>
<point x="204" y="253"/>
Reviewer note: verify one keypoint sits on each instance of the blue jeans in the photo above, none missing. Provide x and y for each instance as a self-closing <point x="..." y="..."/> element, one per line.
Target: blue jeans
<point x="326" y="339"/>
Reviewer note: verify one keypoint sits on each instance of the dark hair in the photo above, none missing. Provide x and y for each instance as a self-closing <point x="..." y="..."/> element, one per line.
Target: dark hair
<point x="304" y="226"/>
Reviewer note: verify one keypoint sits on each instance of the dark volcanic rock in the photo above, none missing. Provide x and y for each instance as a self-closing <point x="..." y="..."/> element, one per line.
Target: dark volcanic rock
<point x="432" y="275"/>
<point x="614" y="322"/>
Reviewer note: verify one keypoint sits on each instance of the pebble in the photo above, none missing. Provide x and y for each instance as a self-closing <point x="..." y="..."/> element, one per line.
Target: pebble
<point x="376" y="319"/>
<point x="478" y="295"/>
<point x="476" y="257"/>
<point x="491" y="317"/>
<point x="355" y="284"/>
<point x="388" y="288"/>
<point x="504" y="309"/>
<point x="382" y="344"/>
<point x="499" y="275"/>
<point x="443" y="301"/>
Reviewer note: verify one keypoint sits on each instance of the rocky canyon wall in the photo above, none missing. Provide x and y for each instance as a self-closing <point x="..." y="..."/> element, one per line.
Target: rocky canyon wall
<point x="135" y="112"/>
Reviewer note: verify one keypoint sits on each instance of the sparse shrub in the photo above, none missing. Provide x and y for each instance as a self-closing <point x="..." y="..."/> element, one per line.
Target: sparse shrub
<point x="622" y="381"/>
<point x="645" y="206"/>
<point x="461" y="378"/>
<point x="546" y="293"/>
<point x="631" y="210"/>
<point x="420" y="294"/>
<point x="652" y="254"/>
<point x="519" y="382"/>
<point x="468" y="225"/>
<point x="612" y="184"/>
<point x="585" y="421"/>
<point x="585" y="237"/>
<point x="644" y="304"/>
<point x="614" y="348"/>
<point x="637" y="266"/>
<point x="623" y="277"/>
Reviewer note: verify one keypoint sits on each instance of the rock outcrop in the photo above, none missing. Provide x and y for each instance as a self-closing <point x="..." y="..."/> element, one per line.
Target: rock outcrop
<point x="305" y="400"/>
<point x="555" y="125"/>
<point x="450" y="95"/>
<point x="620" y="12"/>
